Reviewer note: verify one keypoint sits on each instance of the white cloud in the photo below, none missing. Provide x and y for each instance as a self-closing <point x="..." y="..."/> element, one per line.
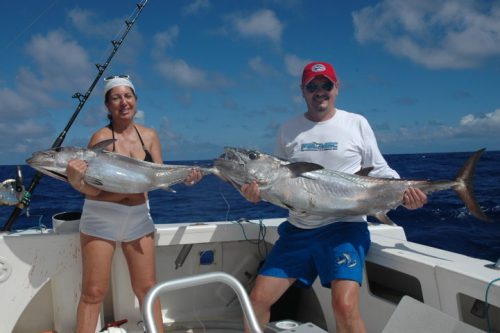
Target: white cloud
<point x="27" y="106"/>
<point x="90" y="24"/>
<point x="167" y="135"/>
<point x="182" y="73"/>
<point x="60" y="71"/>
<point x="188" y="76"/>
<point x="196" y="6"/>
<point x="166" y="38"/>
<point x="486" y="126"/>
<point x="24" y="136"/>
<point x="140" y="117"/>
<point x="87" y="22"/>
<point x="262" y="23"/>
<point x="435" y="34"/>
<point x="14" y="105"/>
<point x="258" y="66"/>
<point x="295" y="65"/>
<point x="54" y="71"/>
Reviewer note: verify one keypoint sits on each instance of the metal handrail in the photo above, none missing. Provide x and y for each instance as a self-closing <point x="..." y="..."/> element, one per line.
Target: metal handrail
<point x="196" y="280"/>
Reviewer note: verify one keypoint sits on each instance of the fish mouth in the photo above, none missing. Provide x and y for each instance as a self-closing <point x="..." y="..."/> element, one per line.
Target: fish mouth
<point x="42" y="158"/>
<point x="230" y="163"/>
<point x="35" y="161"/>
<point x="231" y="154"/>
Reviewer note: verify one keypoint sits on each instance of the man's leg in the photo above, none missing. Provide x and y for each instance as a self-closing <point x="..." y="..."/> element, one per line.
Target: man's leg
<point x="265" y="293"/>
<point x="345" y="304"/>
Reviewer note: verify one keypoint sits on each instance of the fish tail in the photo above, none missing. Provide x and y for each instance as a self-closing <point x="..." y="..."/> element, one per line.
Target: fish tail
<point x="465" y="188"/>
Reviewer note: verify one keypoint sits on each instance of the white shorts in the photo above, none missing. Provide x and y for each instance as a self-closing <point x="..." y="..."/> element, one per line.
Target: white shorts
<point x="115" y="222"/>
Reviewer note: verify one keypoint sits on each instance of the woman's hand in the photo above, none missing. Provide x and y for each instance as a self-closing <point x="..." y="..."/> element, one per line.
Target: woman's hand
<point x="193" y="177"/>
<point x="75" y="171"/>
<point x="414" y="198"/>
<point x="251" y="192"/>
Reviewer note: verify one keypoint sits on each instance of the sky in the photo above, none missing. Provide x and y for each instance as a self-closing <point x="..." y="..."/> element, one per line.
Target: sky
<point x="215" y="73"/>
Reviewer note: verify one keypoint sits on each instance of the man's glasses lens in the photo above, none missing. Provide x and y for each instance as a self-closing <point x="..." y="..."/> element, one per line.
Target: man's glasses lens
<point x="116" y="77"/>
<point x="312" y="87"/>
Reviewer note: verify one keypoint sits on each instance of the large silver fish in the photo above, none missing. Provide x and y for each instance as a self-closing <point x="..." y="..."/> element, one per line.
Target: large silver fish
<point x="309" y="188"/>
<point x="109" y="171"/>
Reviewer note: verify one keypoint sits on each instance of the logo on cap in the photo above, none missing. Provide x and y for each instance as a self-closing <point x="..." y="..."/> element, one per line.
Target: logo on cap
<point x="318" y="68"/>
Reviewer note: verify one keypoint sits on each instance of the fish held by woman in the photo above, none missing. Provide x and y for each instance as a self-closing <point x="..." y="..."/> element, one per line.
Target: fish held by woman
<point x="310" y="189"/>
<point x="109" y="171"/>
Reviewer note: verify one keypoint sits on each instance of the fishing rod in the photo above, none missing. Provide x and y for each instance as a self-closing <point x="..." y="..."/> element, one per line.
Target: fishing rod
<point x="25" y="201"/>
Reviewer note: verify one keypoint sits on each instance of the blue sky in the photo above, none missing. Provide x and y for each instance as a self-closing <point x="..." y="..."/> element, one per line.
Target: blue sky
<point x="209" y="74"/>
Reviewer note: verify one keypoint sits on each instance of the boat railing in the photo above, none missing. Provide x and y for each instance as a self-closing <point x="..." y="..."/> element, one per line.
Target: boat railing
<point x="197" y="280"/>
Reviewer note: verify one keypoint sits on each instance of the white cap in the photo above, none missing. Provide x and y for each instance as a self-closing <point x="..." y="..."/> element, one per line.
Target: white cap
<point x="115" y="81"/>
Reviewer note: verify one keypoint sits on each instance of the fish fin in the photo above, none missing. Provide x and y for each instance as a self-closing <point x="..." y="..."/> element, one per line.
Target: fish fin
<point x="465" y="190"/>
<point x="93" y="181"/>
<point x="364" y="171"/>
<point x="293" y="209"/>
<point x="298" y="168"/>
<point x="382" y="217"/>
<point x="101" y="145"/>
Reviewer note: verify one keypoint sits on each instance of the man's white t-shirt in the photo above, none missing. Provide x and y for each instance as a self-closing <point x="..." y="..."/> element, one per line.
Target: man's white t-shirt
<point x="344" y="143"/>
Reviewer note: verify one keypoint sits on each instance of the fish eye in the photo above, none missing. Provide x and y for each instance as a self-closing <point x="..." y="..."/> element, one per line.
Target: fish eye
<point x="253" y="155"/>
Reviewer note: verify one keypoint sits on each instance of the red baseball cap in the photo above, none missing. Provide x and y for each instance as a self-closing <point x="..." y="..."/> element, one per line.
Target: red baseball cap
<point x="314" y="69"/>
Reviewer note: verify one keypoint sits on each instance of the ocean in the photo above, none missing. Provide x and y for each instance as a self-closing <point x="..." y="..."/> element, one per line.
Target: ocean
<point x="443" y="223"/>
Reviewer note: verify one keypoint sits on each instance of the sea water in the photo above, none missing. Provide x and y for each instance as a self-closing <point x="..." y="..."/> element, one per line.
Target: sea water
<point x="443" y="223"/>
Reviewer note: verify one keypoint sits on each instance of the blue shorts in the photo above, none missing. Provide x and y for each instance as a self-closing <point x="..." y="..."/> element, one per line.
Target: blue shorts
<point x="115" y="222"/>
<point x="334" y="252"/>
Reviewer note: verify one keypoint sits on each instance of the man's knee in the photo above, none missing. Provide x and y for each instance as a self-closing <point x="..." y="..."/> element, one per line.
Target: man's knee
<point x="260" y="299"/>
<point x="344" y="307"/>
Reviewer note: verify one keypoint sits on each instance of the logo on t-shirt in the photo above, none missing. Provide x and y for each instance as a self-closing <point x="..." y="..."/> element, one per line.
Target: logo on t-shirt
<point x="317" y="146"/>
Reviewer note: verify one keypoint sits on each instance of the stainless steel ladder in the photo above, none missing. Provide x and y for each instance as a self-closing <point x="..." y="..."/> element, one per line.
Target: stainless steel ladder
<point x="197" y="280"/>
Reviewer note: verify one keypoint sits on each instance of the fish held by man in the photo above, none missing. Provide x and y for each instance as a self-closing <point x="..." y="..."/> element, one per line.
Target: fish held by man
<point x="310" y="189"/>
<point x="109" y="171"/>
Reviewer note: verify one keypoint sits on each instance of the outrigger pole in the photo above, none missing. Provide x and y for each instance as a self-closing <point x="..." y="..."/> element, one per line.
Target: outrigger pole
<point x="25" y="201"/>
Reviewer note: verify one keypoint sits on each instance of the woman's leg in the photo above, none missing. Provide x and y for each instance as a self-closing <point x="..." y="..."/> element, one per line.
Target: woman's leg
<point x="97" y="255"/>
<point x="140" y="255"/>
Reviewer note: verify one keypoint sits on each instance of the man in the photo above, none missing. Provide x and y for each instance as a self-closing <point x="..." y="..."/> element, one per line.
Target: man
<point x="312" y="245"/>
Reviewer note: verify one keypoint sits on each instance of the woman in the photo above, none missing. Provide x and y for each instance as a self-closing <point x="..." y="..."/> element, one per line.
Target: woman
<point x="108" y="218"/>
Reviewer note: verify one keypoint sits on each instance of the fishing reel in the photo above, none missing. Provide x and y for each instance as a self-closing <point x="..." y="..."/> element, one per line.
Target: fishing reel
<point x="12" y="191"/>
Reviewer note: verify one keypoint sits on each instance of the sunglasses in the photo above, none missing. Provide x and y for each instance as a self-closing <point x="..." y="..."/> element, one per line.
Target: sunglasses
<point x="117" y="77"/>
<point x="313" y="87"/>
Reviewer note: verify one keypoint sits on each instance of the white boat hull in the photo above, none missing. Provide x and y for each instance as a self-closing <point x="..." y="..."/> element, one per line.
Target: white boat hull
<point x="40" y="279"/>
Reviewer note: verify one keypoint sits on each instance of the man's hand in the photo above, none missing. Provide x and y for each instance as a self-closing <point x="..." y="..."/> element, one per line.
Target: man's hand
<point x="193" y="177"/>
<point x="413" y="198"/>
